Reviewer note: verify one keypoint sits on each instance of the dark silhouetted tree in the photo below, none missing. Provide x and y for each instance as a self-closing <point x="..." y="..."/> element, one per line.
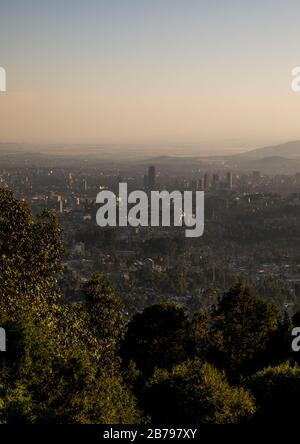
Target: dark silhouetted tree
<point x="242" y="325"/>
<point x="195" y="393"/>
<point x="158" y="337"/>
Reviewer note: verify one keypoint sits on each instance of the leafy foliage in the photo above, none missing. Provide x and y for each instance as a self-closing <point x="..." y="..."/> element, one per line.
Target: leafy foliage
<point x="105" y="313"/>
<point x="161" y="327"/>
<point x="51" y="372"/>
<point x="195" y="393"/>
<point x="30" y="257"/>
<point x="277" y="391"/>
<point x="242" y="325"/>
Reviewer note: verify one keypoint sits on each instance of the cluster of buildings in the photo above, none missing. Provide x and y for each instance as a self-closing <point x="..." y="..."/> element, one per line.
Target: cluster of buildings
<point x="235" y="202"/>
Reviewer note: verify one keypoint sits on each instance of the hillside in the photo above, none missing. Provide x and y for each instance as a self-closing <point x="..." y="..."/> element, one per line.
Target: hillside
<point x="289" y="150"/>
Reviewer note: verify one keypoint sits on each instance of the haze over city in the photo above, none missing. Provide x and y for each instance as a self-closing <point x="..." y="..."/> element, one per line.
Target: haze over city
<point x="192" y="76"/>
<point x="149" y="219"/>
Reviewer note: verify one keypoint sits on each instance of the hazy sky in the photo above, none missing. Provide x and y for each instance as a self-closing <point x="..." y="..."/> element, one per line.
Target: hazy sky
<point x="150" y="71"/>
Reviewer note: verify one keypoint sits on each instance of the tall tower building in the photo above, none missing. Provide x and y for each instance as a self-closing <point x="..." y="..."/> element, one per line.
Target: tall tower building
<point x="145" y="181"/>
<point x="229" y="180"/>
<point x="215" y="181"/>
<point x="206" y="182"/>
<point x="151" y="178"/>
<point x="201" y="184"/>
<point x="61" y="205"/>
<point x="70" y="181"/>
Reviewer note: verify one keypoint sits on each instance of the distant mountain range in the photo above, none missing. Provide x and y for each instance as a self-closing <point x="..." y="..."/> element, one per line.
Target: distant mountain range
<point x="277" y="159"/>
<point x="289" y="150"/>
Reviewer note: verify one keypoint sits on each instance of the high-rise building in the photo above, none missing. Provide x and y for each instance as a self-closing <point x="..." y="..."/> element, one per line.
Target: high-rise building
<point x="194" y="185"/>
<point x="145" y="181"/>
<point x="206" y="182"/>
<point x="70" y="180"/>
<point x="61" y="205"/>
<point x="229" y="180"/>
<point x="151" y="178"/>
<point x="201" y="184"/>
<point x="215" y="181"/>
<point x="76" y="202"/>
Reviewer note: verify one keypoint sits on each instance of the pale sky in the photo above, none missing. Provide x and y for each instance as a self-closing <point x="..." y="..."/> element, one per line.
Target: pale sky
<point x="150" y="71"/>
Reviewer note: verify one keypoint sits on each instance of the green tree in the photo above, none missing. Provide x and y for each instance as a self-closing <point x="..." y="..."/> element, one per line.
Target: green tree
<point x="105" y="312"/>
<point x="199" y="335"/>
<point x="242" y="325"/>
<point x="279" y="348"/>
<point x="38" y="384"/>
<point x="277" y="392"/>
<point x="52" y="371"/>
<point x="157" y="337"/>
<point x="30" y="257"/>
<point x="195" y="393"/>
